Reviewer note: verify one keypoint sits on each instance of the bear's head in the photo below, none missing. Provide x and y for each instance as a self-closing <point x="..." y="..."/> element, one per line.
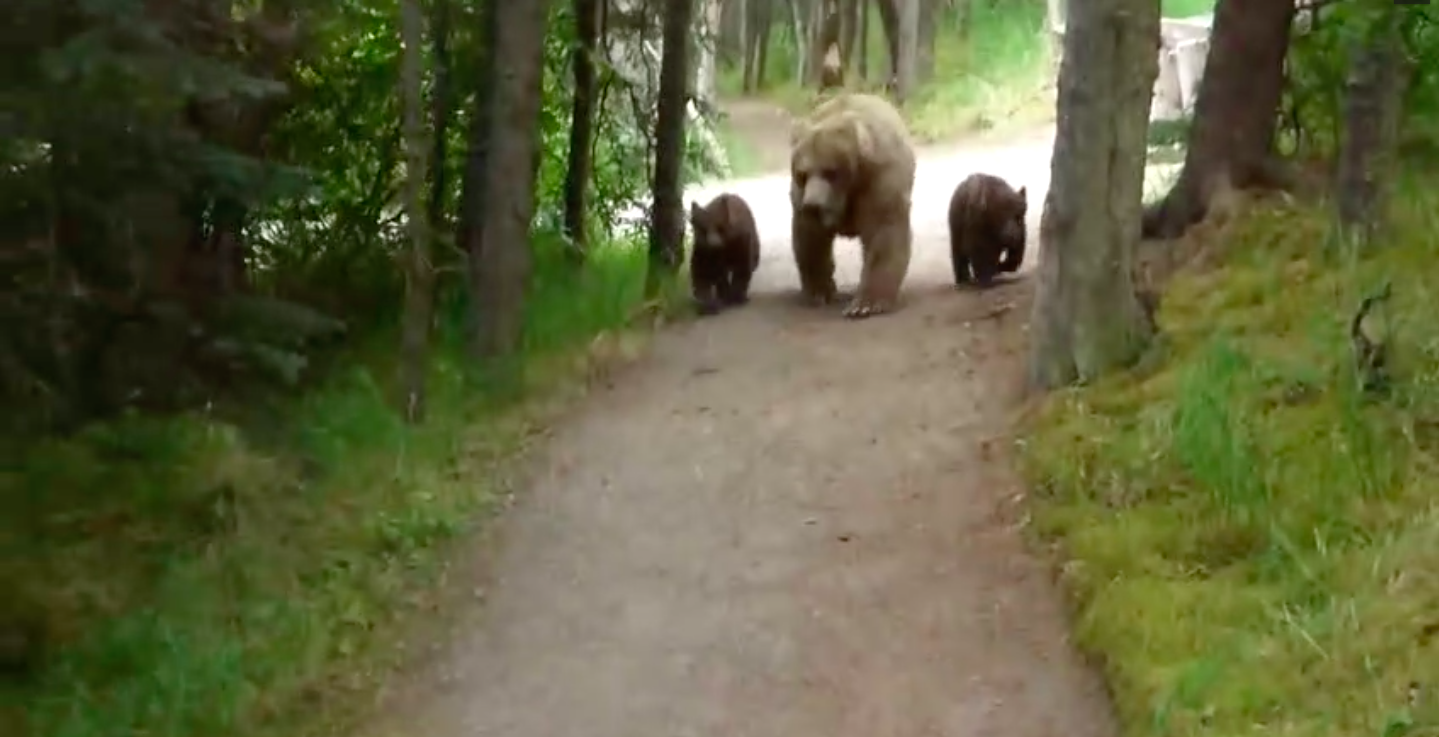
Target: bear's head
<point x="1009" y="213"/>
<point x="709" y="227"/>
<point x="827" y="167"/>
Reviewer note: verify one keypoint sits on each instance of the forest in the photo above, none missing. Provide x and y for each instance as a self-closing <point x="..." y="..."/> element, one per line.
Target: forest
<point x="293" y="286"/>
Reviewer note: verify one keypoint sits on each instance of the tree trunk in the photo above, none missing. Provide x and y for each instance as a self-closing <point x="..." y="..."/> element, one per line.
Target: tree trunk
<point x="826" y="34"/>
<point x="765" y="29"/>
<point x="440" y="107"/>
<point x="849" y="11"/>
<point x="1231" y="143"/>
<point x="499" y="200"/>
<point x="582" y="120"/>
<point x="889" y="11"/>
<point x="756" y="42"/>
<point x="906" y="72"/>
<point x="928" y="30"/>
<point x="707" y="36"/>
<point x="864" y="39"/>
<point x="733" y="14"/>
<point x="667" y="216"/>
<point x="415" y="326"/>
<point x="801" y="39"/>
<point x="1087" y="317"/>
<point x="1373" y="104"/>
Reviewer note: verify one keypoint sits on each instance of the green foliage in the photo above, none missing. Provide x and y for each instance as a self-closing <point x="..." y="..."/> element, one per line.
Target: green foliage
<point x="995" y="72"/>
<point x="992" y="66"/>
<point x="221" y="573"/>
<point x="1318" y="70"/>
<point x="1185" y="8"/>
<point x="1249" y="535"/>
<point x="233" y="511"/>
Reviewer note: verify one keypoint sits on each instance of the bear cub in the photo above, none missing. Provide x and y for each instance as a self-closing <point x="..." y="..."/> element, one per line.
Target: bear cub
<point x="986" y="229"/>
<point x="725" y="254"/>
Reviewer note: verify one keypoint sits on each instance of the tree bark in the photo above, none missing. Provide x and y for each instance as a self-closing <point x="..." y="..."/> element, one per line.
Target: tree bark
<point x="666" y="246"/>
<point x="801" y="40"/>
<point x="1087" y="317"/>
<point x="415" y="325"/>
<point x="906" y="74"/>
<point x="1373" y="100"/>
<point x="849" y="30"/>
<point x="889" y="12"/>
<point x="1231" y="143"/>
<point x="440" y="106"/>
<point x="928" y="30"/>
<point x="582" y="120"/>
<point x="759" y="13"/>
<point x="863" y="39"/>
<point x="499" y="201"/>
<point x="826" y="34"/>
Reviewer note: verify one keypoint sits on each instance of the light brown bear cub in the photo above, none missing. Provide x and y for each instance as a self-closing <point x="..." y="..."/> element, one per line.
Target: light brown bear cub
<point x="725" y="254"/>
<point x="852" y="174"/>
<point x="986" y="229"/>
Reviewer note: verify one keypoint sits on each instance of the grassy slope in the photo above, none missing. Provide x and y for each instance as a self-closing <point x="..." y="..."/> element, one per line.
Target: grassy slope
<point x="1253" y="547"/>
<point x="219" y="578"/>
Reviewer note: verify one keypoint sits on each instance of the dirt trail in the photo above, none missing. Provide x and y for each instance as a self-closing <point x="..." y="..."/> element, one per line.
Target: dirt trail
<point x="782" y="524"/>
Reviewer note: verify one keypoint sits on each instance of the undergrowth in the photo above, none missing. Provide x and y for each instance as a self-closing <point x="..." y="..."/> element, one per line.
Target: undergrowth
<point x="220" y="573"/>
<point x="1252" y="543"/>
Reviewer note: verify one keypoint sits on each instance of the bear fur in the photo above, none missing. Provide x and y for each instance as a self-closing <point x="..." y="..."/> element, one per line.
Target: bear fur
<point x="852" y="174"/>
<point x="725" y="254"/>
<point x="986" y="229"/>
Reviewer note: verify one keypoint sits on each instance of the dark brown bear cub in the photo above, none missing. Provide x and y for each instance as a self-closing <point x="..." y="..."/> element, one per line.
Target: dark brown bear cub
<point x="986" y="229"/>
<point x="725" y="255"/>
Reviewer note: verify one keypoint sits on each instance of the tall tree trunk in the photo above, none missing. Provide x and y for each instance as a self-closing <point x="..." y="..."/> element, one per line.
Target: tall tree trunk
<point x="765" y="30"/>
<point x="440" y="107"/>
<point x="415" y="326"/>
<point x="801" y="39"/>
<point x="889" y="12"/>
<point x="906" y="72"/>
<point x="1087" y="316"/>
<point x="849" y="30"/>
<point x="1377" y="76"/>
<point x="757" y="20"/>
<point x="1232" y="141"/>
<point x="582" y="120"/>
<point x="928" y="30"/>
<point x="732" y="30"/>
<point x="499" y="200"/>
<point x="666" y="246"/>
<point x="705" y="63"/>
<point x="826" y="34"/>
<point x="863" y="39"/>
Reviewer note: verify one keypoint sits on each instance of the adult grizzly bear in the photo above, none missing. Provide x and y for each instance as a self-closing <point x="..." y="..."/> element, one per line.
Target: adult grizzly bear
<point x="986" y="228"/>
<point x="725" y="254"/>
<point x="852" y="174"/>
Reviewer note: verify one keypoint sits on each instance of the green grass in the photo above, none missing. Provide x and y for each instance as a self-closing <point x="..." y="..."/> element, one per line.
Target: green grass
<point x="744" y="160"/>
<point x="1251" y="544"/>
<point x="213" y="575"/>
<point x="1185" y="8"/>
<point x="994" y="71"/>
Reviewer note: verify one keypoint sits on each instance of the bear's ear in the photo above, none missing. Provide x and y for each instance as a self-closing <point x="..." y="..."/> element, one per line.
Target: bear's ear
<point x="863" y="142"/>
<point x="694" y="210"/>
<point x="797" y="131"/>
<point x="1022" y="196"/>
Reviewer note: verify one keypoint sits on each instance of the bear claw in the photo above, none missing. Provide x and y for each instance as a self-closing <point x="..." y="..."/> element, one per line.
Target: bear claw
<point x="860" y="309"/>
